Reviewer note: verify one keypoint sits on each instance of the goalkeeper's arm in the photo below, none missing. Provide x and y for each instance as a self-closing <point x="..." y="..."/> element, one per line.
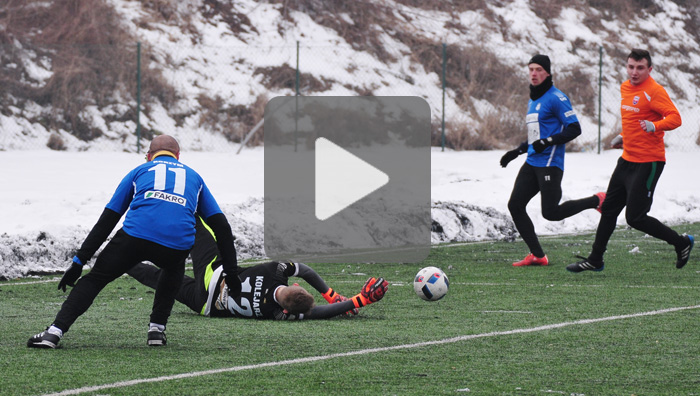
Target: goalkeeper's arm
<point x="224" y="241"/>
<point x="373" y="291"/>
<point x="330" y="310"/>
<point x="314" y="279"/>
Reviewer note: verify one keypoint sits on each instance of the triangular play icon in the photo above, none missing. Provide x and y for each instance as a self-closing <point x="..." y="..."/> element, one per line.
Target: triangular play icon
<point x="341" y="178"/>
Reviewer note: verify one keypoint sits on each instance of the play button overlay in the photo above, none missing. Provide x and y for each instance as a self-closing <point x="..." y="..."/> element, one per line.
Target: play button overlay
<point x="342" y="178"/>
<point x="347" y="179"/>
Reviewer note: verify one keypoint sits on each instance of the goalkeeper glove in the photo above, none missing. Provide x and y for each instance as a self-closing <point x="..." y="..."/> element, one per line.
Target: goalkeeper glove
<point x="540" y="145"/>
<point x="71" y="275"/>
<point x="332" y="297"/>
<point x="373" y="291"/>
<point x="647" y="126"/>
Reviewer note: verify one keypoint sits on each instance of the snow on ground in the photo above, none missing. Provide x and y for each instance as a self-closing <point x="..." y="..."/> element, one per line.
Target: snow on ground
<point x="49" y="200"/>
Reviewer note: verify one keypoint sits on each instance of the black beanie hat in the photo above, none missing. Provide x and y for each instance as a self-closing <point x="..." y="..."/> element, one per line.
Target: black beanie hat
<point x="542" y="60"/>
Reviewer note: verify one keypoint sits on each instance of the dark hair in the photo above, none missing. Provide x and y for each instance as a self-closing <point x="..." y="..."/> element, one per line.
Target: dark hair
<point x="298" y="300"/>
<point x="639" y="54"/>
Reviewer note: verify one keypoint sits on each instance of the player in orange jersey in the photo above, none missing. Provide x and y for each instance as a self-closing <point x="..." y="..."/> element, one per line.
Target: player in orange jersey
<point x="647" y="112"/>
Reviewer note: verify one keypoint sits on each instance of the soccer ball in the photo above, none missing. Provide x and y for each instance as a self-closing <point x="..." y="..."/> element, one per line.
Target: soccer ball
<point x="431" y="284"/>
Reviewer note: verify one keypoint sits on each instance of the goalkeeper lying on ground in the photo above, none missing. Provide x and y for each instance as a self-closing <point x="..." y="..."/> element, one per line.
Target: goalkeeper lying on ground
<point x="265" y="293"/>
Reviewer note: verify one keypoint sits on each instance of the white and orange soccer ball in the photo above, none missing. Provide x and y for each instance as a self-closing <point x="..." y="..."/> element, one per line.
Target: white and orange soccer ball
<point x="431" y="284"/>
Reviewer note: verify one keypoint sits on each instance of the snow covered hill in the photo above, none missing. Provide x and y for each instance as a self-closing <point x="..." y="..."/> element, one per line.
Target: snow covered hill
<point x="211" y="65"/>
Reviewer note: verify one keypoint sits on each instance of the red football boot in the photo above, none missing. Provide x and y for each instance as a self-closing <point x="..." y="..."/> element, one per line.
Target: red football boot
<point x="530" y="259"/>
<point x="601" y="198"/>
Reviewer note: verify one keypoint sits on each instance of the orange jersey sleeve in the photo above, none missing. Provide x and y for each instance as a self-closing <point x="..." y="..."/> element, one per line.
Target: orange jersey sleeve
<point x="646" y="101"/>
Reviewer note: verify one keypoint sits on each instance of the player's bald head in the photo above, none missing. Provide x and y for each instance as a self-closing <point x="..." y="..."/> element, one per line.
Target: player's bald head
<point x="164" y="142"/>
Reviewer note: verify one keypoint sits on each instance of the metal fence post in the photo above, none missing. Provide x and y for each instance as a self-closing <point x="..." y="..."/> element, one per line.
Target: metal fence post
<point x="444" y="68"/>
<point x="600" y="94"/>
<point x="296" y="100"/>
<point x="138" y="97"/>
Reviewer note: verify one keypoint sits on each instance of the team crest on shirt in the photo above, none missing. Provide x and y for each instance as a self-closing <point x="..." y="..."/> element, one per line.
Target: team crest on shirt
<point x="635" y="100"/>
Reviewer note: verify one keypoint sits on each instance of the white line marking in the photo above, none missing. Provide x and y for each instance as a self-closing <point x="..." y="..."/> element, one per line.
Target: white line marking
<point x="502" y="311"/>
<point x="310" y="359"/>
<point x="58" y="274"/>
<point x="31" y="283"/>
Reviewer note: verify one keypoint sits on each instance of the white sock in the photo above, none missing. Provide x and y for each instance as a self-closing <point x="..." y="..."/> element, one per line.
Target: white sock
<point x="156" y="325"/>
<point x="55" y="331"/>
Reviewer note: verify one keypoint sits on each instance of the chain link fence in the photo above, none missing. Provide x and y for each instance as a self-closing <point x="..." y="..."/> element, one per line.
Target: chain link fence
<point x="210" y="98"/>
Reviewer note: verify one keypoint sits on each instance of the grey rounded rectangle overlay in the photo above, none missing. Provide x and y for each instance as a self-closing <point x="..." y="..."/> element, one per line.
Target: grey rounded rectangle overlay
<point x="347" y="179"/>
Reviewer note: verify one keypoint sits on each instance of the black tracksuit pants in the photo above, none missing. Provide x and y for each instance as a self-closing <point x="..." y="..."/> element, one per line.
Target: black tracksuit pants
<point x="121" y="254"/>
<point x="193" y="291"/>
<point x="546" y="181"/>
<point x="632" y="185"/>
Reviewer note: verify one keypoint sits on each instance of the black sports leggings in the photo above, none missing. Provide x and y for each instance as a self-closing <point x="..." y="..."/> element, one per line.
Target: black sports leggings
<point x="192" y="292"/>
<point x="120" y="255"/>
<point x="546" y="181"/>
<point x="631" y="184"/>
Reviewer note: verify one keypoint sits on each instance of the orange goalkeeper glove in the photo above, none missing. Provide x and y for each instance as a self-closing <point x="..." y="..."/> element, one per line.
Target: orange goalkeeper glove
<point x="373" y="291"/>
<point x="332" y="297"/>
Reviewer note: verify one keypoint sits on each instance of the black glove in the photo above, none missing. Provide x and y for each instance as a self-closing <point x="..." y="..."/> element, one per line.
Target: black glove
<point x="513" y="154"/>
<point x="233" y="282"/>
<point x="71" y="275"/>
<point x="540" y="145"/>
<point x="509" y="156"/>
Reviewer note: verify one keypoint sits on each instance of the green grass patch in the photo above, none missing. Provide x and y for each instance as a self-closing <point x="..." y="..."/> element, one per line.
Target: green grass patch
<point x="643" y="355"/>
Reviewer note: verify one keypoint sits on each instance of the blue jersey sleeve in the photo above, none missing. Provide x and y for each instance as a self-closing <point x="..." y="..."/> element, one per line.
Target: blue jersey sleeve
<point x="563" y="110"/>
<point x="123" y="195"/>
<point x="207" y="205"/>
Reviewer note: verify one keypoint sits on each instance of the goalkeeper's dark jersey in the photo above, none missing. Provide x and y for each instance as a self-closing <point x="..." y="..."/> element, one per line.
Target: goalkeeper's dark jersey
<point x="259" y="284"/>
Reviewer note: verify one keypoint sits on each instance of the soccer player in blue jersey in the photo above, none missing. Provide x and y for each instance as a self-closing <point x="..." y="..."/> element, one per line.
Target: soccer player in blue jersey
<point x="163" y="198"/>
<point x="551" y="123"/>
<point x="265" y="292"/>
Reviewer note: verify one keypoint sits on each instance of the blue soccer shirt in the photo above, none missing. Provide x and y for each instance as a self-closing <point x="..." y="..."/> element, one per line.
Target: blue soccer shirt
<point x="163" y="196"/>
<point x="546" y="116"/>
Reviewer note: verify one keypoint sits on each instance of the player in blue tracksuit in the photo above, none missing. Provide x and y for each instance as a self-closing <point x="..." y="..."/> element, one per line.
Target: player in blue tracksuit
<point x="551" y="123"/>
<point x="163" y="198"/>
